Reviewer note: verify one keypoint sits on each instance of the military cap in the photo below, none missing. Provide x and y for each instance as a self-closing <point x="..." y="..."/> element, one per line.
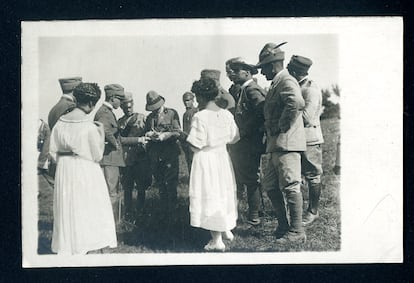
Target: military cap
<point x="68" y="84"/>
<point x="127" y="98"/>
<point x="299" y="64"/>
<point x="270" y="53"/>
<point x="209" y="73"/>
<point x="154" y="101"/>
<point x="240" y="63"/>
<point x="114" y="90"/>
<point x="232" y="60"/>
<point x="188" y="95"/>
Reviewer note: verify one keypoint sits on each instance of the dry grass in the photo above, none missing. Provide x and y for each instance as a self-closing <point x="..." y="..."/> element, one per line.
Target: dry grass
<point x="148" y="236"/>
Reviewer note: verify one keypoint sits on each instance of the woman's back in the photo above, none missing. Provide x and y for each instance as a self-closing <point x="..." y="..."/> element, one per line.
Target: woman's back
<point x="81" y="137"/>
<point x="213" y="127"/>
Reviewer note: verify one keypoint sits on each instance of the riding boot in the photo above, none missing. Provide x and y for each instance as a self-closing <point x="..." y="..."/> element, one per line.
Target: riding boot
<point x="127" y="202"/>
<point x="314" y="195"/>
<point x="140" y="200"/>
<point x="253" y="199"/>
<point x="296" y="231"/>
<point x="278" y="203"/>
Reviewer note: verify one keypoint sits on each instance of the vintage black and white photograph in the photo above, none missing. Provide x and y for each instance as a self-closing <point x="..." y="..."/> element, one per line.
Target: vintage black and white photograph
<point x="215" y="141"/>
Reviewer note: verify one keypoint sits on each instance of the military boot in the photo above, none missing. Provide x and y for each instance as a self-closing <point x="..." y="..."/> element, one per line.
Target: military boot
<point x="314" y="195"/>
<point x="296" y="231"/>
<point x="278" y="203"/>
<point x="140" y="201"/>
<point x="253" y="199"/>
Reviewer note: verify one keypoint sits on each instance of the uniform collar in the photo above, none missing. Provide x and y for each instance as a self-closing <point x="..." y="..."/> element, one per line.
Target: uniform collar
<point x="67" y="96"/>
<point x="303" y="80"/>
<point x="277" y="77"/>
<point x="109" y="105"/>
<point x="246" y="83"/>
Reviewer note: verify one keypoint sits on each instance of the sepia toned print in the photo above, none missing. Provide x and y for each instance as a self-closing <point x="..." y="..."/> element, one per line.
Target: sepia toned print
<point x="288" y="109"/>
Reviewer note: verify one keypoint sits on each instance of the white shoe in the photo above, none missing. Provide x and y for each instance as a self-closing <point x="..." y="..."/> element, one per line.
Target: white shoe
<point x="228" y="235"/>
<point x="211" y="247"/>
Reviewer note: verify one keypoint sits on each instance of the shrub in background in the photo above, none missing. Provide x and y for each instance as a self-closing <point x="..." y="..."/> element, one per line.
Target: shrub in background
<point x="330" y="109"/>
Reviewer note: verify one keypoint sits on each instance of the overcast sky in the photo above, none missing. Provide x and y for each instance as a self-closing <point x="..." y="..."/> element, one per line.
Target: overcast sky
<point x="167" y="64"/>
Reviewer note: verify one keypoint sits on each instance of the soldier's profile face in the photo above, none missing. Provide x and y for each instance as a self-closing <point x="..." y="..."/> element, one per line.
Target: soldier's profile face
<point x="240" y="76"/>
<point x="267" y="71"/>
<point x="230" y="73"/>
<point x="116" y="102"/>
<point x="128" y="108"/>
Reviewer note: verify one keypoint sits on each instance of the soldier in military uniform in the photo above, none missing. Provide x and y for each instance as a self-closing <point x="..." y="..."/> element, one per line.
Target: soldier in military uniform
<point x="113" y="156"/>
<point x="136" y="171"/>
<point x="66" y="102"/>
<point x="224" y="99"/>
<point x="190" y="110"/>
<point x="234" y="89"/>
<point x="311" y="158"/>
<point x="163" y="129"/>
<point x="285" y="141"/>
<point x="247" y="151"/>
<point x="43" y="141"/>
<point x="63" y="106"/>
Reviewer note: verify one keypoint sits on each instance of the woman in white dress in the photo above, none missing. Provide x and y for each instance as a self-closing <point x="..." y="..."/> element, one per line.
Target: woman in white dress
<point x="82" y="211"/>
<point x="212" y="189"/>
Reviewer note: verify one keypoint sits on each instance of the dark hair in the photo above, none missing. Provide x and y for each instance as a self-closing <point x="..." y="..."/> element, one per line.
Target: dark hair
<point x="206" y="88"/>
<point x="87" y="92"/>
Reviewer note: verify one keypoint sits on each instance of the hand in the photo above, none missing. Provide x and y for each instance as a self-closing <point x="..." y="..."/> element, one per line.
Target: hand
<point x="162" y="136"/>
<point x="149" y="134"/>
<point x="143" y="140"/>
<point x="118" y="146"/>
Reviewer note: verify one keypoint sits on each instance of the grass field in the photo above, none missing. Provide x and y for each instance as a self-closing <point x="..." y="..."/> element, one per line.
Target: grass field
<point x="147" y="236"/>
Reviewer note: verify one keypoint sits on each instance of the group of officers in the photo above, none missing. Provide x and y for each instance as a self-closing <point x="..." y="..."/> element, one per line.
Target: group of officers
<point x="283" y="123"/>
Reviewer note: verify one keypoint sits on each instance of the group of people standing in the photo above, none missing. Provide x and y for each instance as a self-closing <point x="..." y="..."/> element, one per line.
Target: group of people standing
<point x="224" y="140"/>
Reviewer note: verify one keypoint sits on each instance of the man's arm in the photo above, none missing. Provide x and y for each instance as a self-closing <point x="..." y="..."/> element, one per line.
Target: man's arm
<point x="293" y="103"/>
<point x="312" y="98"/>
<point x="174" y="130"/>
<point x="109" y="127"/>
<point x="256" y="100"/>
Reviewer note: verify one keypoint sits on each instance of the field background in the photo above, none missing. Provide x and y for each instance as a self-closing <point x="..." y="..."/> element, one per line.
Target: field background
<point x="147" y="236"/>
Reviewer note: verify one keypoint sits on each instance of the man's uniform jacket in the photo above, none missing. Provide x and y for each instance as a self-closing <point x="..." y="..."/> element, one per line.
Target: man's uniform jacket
<point x="312" y="111"/>
<point x="64" y="105"/>
<point x="112" y="156"/>
<point x="283" y="115"/>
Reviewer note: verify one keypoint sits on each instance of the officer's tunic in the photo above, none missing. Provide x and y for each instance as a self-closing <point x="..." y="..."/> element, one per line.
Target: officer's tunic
<point x="285" y="133"/>
<point x="136" y="159"/>
<point x="164" y="154"/>
<point x="250" y="120"/>
<point x="112" y="158"/>
<point x="312" y="157"/>
<point x="43" y="140"/>
<point x="64" y="105"/>
<point x="187" y="117"/>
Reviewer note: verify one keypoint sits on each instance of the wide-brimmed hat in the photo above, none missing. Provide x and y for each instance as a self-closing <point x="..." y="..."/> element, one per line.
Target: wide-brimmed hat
<point x="154" y="101"/>
<point x="241" y="63"/>
<point x="299" y="64"/>
<point x="68" y="84"/>
<point x="270" y="53"/>
<point x="114" y="90"/>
